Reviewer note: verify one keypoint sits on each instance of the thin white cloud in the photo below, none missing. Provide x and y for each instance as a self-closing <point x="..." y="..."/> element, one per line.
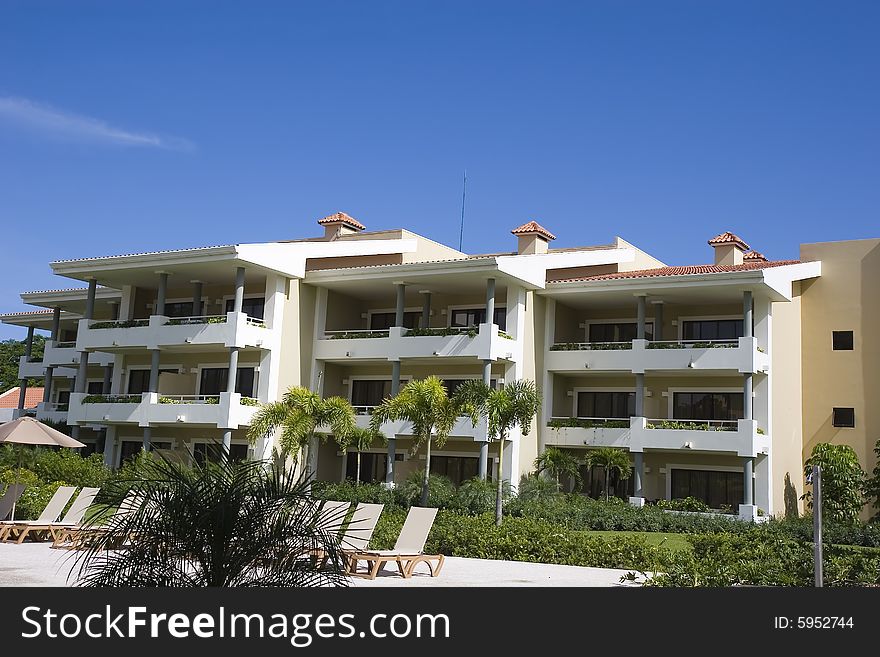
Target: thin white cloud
<point x="57" y="123"/>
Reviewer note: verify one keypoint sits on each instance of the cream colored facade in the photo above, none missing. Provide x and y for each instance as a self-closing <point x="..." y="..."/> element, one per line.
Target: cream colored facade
<point x="621" y="346"/>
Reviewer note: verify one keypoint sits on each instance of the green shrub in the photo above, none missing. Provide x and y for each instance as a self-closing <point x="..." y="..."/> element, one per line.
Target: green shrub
<point x="476" y="496"/>
<point x="534" y="489"/>
<point x="441" y="490"/>
<point x="74" y="470"/>
<point x="684" y="504"/>
<point x="347" y="491"/>
<point x="585" y="423"/>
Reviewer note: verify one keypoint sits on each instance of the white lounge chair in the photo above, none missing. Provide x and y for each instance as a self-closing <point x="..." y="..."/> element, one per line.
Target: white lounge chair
<point x="21" y="529"/>
<point x="408" y="551"/>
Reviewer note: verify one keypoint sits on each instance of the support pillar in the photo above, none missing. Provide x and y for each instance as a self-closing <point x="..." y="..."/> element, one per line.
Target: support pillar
<point x="490" y="301"/>
<point x="239" y="289"/>
<point x="640" y="395"/>
<point x="154" y="371"/>
<point x="638" y="498"/>
<point x="392" y="440"/>
<point x="56" y="323"/>
<point x="109" y="446"/>
<point x="227" y="442"/>
<point x="148" y="439"/>
<point x="426" y="308"/>
<point x="47" y="385"/>
<point x="484" y="446"/>
<point x="108" y="375"/>
<point x="400" y="306"/>
<point x="197" y="299"/>
<point x="747" y="314"/>
<point x="90" y="298"/>
<point x="748" y="413"/>
<point x="161" y="294"/>
<point x="640" y="325"/>
<point x="748" y="477"/>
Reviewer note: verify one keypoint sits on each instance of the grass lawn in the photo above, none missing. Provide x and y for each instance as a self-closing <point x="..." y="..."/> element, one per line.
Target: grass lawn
<point x="674" y="542"/>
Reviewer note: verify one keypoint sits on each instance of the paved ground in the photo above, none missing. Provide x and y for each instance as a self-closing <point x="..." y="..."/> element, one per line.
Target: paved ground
<point x="35" y="564"/>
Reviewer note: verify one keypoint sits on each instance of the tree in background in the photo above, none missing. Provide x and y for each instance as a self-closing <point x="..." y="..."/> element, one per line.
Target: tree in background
<point x="298" y="415"/>
<point x="359" y="439"/>
<point x="516" y="404"/>
<point x="11" y="352"/>
<point x="842" y="481"/>
<point x="432" y="412"/>
<point x="609" y="459"/>
<point x="559" y="463"/>
<point x="872" y="484"/>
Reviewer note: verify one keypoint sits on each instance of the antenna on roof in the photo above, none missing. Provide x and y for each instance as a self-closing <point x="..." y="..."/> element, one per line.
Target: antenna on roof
<point x="463" y="192"/>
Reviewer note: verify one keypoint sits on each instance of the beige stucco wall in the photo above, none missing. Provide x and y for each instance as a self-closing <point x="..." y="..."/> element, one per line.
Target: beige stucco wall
<point x="786" y="436"/>
<point x="844" y="298"/>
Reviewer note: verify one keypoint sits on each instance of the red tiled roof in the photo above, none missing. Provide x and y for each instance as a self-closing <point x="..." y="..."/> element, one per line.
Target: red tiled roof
<point x="729" y="238"/>
<point x="32" y="397"/>
<point x="533" y="228"/>
<point x="754" y="255"/>
<point x="685" y="270"/>
<point x="341" y="217"/>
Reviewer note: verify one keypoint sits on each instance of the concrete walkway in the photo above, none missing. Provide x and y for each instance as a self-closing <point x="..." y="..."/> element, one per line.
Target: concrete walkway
<point x="35" y="564"/>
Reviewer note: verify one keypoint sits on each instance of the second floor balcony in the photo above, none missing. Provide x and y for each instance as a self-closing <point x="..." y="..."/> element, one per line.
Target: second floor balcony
<point x="485" y="342"/>
<point x="464" y="427"/>
<point x="231" y="329"/>
<point x="225" y="411"/>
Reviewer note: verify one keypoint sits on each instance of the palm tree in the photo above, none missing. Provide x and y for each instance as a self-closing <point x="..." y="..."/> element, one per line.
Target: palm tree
<point x="425" y="403"/>
<point x="232" y="523"/>
<point x="610" y="459"/>
<point x="299" y="415"/>
<point x="559" y="463"/>
<point x="516" y="404"/>
<point x="359" y="439"/>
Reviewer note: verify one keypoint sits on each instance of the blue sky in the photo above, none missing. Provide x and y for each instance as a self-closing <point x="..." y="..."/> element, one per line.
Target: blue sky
<point x="144" y="125"/>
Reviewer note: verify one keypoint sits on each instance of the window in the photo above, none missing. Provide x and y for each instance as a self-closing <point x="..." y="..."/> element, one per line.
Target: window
<point x="203" y="452"/>
<point x="382" y="321"/>
<point x="618" y="331"/>
<point x="215" y="379"/>
<point x="253" y="307"/>
<point x="452" y="385"/>
<point x="594" y="483"/>
<point x="712" y="329"/>
<point x="457" y="468"/>
<point x="844" y="417"/>
<point x="707" y="406"/>
<point x="95" y="387"/>
<point x="606" y="404"/>
<point x="179" y="309"/>
<point x="64" y="396"/>
<point x="131" y="448"/>
<point x="476" y="316"/>
<point x="714" y="488"/>
<point x="842" y="340"/>
<point x="139" y="380"/>
<point x="369" y="392"/>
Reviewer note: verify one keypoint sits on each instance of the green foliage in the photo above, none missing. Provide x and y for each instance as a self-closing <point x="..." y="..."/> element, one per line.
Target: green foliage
<point x="11" y="352"/>
<point x="872" y="484"/>
<point x="470" y="331"/>
<point x="842" y="481"/>
<point x="357" y="335"/>
<point x="534" y="489"/>
<point x="693" y="345"/>
<point x="476" y="496"/>
<point x="125" y="323"/>
<point x="35" y="495"/>
<point x="691" y="426"/>
<point x="504" y="334"/>
<point x="684" y="504"/>
<point x="441" y="490"/>
<point x="66" y="465"/>
<point x="759" y="557"/>
<point x="233" y="523"/>
<point x="587" y="423"/>
<point x="349" y="491"/>
<point x="559" y="463"/>
<point x="177" y="321"/>
<point x="205" y="400"/>
<point x="249" y="401"/>
<point x="113" y="399"/>
<point x="590" y="346"/>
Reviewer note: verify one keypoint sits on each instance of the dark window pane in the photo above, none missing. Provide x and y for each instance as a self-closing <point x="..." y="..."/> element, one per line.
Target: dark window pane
<point x="178" y="309"/>
<point x="842" y="340"/>
<point x="382" y="321"/>
<point x="369" y="392"/>
<point x="95" y="387"/>
<point x="844" y="417"/>
<point x="215" y="379"/>
<point x="254" y="307"/>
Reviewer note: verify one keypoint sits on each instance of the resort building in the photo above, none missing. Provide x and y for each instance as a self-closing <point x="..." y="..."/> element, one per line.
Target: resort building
<point x="716" y="378"/>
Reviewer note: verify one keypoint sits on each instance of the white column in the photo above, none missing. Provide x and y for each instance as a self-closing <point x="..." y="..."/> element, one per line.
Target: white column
<point x="109" y="446"/>
<point x="490" y="301"/>
<point x="482" y="470"/>
<point x="426" y="308"/>
<point x="640" y="321"/>
<point x="658" y="321"/>
<point x="401" y="304"/>
<point x="197" y="299"/>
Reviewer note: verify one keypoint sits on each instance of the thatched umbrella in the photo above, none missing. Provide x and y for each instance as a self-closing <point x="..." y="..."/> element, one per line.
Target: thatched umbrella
<point x="28" y="431"/>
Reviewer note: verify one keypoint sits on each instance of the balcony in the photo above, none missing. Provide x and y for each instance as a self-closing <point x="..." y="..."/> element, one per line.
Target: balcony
<point x="65" y="354"/>
<point x="52" y="412"/>
<point x="485" y="342"/>
<point x="229" y="330"/>
<point x="638" y="434"/>
<point x="464" y="428"/>
<point x="30" y="369"/>
<point x="741" y="355"/>
<point x="225" y="411"/>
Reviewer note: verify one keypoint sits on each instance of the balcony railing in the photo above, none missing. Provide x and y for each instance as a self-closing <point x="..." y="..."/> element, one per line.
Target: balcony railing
<point x="590" y="346"/>
<point x="189" y="399"/>
<point x="442" y="331"/>
<point x="589" y="422"/>
<point x="355" y="334"/>
<point x="693" y="344"/>
<point x="363" y="410"/>
<point x="692" y="425"/>
<point x="125" y="323"/>
<point x="70" y="344"/>
<point x="112" y="399"/>
<point x="203" y="319"/>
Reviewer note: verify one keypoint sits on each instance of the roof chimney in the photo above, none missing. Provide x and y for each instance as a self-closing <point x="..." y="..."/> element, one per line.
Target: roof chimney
<point x="340" y="224"/>
<point x="729" y="249"/>
<point x="754" y="256"/>
<point x="533" y="238"/>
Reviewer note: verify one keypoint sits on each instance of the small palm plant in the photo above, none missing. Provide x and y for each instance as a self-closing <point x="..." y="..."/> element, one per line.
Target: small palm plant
<point x="359" y="439"/>
<point x="242" y="523"/>
<point x="516" y="404"/>
<point x="559" y="463"/>
<point x="610" y="459"/>
<point x="299" y="414"/>
<point x="424" y="403"/>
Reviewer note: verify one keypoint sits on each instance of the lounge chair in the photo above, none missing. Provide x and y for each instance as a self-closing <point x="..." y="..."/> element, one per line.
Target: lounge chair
<point x="408" y="551"/>
<point x="74" y="535"/>
<point x="22" y="528"/>
<point x="360" y="528"/>
<point x="10" y="497"/>
<point x="331" y="518"/>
